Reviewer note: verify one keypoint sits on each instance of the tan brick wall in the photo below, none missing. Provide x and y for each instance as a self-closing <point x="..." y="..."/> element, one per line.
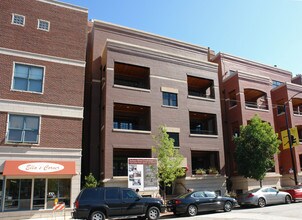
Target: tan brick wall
<point x="67" y="35"/>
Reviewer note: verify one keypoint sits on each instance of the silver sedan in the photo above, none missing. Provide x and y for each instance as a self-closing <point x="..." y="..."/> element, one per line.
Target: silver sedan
<point x="264" y="196"/>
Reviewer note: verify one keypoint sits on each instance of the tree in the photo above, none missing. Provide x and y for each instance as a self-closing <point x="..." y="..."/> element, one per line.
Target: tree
<point x="169" y="159"/>
<point x="255" y="149"/>
<point x="90" y="181"/>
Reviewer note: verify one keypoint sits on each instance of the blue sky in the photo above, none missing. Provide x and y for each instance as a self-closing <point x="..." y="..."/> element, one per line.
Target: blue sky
<point x="266" y="31"/>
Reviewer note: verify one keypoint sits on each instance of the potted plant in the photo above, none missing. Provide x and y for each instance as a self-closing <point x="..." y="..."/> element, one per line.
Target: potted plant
<point x="213" y="170"/>
<point x="200" y="171"/>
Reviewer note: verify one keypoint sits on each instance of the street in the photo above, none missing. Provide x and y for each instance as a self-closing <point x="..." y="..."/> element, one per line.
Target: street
<point x="275" y="212"/>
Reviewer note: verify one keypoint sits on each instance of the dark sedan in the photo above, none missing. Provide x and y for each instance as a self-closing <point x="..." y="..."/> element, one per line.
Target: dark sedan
<point x="193" y="202"/>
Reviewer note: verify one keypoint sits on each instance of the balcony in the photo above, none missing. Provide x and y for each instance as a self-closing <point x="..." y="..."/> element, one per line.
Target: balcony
<point x="255" y="99"/>
<point x="200" y="87"/>
<point x="131" y="76"/>
<point x="297" y="106"/>
<point x="207" y="161"/>
<point x="203" y="123"/>
<point x="131" y="117"/>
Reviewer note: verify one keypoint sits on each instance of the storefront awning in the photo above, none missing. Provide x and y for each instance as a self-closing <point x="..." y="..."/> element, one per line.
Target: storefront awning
<point x="34" y="168"/>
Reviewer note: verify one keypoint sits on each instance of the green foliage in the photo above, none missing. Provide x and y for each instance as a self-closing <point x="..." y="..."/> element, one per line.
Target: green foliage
<point x="90" y="181"/>
<point x="200" y="171"/>
<point x="255" y="149"/>
<point x="169" y="158"/>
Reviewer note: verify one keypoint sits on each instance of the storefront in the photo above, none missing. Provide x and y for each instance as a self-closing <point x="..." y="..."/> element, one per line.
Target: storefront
<point x="36" y="185"/>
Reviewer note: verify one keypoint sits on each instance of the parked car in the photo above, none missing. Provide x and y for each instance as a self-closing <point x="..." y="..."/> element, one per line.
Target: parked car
<point x="114" y="202"/>
<point x="294" y="191"/>
<point x="264" y="196"/>
<point x="193" y="202"/>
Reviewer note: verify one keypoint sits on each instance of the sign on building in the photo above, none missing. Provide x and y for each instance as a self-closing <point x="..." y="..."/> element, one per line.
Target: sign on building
<point x="142" y="174"/>
<point x="294" y="137"/>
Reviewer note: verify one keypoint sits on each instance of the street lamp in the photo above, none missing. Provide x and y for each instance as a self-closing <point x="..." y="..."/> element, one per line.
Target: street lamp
<point x="290" y="139"/>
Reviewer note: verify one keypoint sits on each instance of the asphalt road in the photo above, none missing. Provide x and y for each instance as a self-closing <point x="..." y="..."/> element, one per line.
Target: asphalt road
<point x="276" y="212"/>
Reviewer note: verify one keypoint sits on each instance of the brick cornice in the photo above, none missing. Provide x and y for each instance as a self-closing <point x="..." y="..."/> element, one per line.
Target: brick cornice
<point x="150" y="53"/>
<point x="252" y="63"/>
<point x="133" y="33"/>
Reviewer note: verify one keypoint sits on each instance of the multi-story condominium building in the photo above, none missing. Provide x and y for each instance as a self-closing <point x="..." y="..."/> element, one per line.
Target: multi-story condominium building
<point x="42" y="69"/>
<point x="139" y="81"/>
<point x="289" y="95"/>
<point x="248" y="88"/>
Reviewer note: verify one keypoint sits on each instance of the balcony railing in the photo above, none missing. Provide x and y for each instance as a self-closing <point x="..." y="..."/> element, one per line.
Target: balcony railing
<point x="256" y="105"/>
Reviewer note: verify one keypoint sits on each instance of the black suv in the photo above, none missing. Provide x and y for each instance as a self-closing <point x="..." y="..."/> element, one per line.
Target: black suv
<point x="113" y="202"/>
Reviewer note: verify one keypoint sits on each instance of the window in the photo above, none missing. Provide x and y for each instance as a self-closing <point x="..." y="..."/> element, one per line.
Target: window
<point x="58" y="189"/>
<point x="175" y="137"/>
<point x="131" y="75"/>
<point x="129" y="194"/>
<point x="170" y="99"/>
<point x="112" y="194"/>
<point x="28" y="78"/>
<point x="203" y="123"/>
<point x="18" y="19"/>
<point x="43" y="25"/>
<point x="23" y="129"/>
<point x="276" y="83"/>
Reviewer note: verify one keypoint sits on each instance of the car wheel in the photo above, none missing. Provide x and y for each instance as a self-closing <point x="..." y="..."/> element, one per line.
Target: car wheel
<point x="261" y="202"/>
<point x="192" y="210"/>
<point x="227" y="206"/>
<point x="153" y="213"/>
<point x="288" y="199"/>
<point x="97" y="215"/>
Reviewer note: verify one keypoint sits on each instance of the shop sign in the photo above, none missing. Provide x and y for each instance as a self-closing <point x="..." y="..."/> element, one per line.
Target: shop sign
<point x="29" y="168"/>
<point x="40" y="167"/>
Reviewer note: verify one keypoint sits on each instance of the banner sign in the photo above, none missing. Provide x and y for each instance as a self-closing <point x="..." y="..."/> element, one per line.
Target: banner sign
<point x="142" y="174"/>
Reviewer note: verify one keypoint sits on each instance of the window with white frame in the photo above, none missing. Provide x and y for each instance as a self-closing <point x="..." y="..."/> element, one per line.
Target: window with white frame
<point x="18" y="19"/>
<point x="43" y="25"/>
<point x="23" y="129"/>
<point x="28" y="78"/>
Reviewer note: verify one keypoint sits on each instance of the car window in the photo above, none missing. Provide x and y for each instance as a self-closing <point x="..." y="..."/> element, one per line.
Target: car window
<point x="90" y="194"/>
<point x="253" y="190"/>
<point x="210" y="194"/>
<point x="198" y="195"/>
<point x="129" y="194"/>
<point x="112" y="193"/>
<point x="272" y="190"/>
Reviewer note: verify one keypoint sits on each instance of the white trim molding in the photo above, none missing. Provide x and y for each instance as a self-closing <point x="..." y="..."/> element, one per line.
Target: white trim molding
<point x="43" y="57"/>
<point x="64" y="5"/>
<point x="21" y="107"/>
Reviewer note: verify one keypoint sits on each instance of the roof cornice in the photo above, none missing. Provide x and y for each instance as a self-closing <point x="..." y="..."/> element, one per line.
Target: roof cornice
<point x="294" y="87"/>
<point x="65" y="5"/>
<point x="146" y="36"/>
<point x="253" y="63"/>
<point x="122" y="47"/>
<point x="250" y="76"/>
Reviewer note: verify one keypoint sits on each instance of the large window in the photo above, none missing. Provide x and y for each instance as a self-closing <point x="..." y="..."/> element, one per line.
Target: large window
<point x="58" y="189"/>
<point x="203" y="123"/>
<point x="19" y="195"/>
<point x="276" y="83"/>
<point x="170" y="99"/>
<point x="200" y="87"/>
<point x="23" y="129"/>
<point x="120" y="159"/>
<point x="131" y="75"/>
<point x="131" y="117"/>
<point x="28" y="78"/>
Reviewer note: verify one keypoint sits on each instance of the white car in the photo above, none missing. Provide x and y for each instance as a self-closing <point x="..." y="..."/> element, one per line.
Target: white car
<point x="264" y="196"/>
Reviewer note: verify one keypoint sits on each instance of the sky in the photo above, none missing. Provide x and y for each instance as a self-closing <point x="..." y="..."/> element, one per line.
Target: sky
<point x="265" y="31"/>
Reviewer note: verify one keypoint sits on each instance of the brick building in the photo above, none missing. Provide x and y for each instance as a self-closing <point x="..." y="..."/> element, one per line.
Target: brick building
<point x="42" y="65"/>
<point x="136" y="82"/>
<point x="248" y="88"/>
